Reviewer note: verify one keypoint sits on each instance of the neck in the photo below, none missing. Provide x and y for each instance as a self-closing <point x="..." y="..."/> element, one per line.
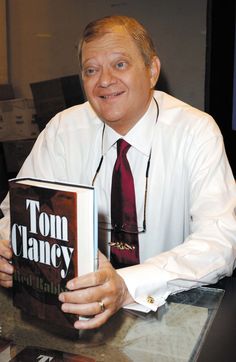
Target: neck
<point x="122" y="129"/>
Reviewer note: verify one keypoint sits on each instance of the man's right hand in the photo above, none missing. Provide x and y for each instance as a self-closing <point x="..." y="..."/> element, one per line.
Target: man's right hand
<point x="6" y="269"/>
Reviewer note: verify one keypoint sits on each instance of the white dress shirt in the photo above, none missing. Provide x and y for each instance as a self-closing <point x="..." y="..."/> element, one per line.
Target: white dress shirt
<point x="190" y="237"/>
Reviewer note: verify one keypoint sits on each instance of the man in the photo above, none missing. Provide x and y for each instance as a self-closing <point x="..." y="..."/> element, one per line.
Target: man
<point x="186" y="216"/>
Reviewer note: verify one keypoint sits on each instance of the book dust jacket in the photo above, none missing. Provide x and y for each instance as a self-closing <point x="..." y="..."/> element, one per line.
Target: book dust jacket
<point x="43" y="237"/>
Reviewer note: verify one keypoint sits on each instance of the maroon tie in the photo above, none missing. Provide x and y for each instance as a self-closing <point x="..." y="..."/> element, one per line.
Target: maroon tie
<point x="124" y="237"/>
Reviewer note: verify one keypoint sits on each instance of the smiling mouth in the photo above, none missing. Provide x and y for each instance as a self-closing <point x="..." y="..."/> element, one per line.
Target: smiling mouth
<point x="109" y="96"/>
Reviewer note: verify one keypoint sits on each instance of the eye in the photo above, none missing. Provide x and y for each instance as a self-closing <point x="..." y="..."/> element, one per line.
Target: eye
<point x="121" y="65"/>
<point x="89" y="71"/>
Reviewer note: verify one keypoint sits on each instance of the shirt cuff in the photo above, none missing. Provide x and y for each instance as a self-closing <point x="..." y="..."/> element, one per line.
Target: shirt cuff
<point x="147" y="286"/>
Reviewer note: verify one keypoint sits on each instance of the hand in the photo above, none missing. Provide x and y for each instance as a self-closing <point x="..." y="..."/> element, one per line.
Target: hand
<point x="6" y="269"/>
<point x="89" y="291"/>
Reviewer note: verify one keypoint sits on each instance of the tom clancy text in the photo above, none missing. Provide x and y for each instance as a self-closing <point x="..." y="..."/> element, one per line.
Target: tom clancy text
<point x="27" y="245"/>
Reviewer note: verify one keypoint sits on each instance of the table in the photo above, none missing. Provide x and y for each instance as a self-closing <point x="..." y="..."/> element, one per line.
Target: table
<point x="176" y="332"/>
<point x="220" y="342"/>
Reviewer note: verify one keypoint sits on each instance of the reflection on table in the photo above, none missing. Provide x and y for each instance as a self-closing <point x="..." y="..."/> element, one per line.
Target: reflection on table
<point x="174" y="333"/>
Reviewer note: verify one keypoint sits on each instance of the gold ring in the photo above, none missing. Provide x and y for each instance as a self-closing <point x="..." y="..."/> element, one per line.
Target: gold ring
<point x="102" y="306"/>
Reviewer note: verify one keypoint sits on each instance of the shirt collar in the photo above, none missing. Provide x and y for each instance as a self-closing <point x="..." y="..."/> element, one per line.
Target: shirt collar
<point x="140" y="136"/>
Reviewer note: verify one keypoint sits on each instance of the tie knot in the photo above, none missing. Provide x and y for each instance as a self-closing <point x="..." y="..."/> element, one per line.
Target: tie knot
<point x="122" y="147"/>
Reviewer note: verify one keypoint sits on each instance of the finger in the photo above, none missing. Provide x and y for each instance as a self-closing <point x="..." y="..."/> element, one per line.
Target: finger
<point x="5" y="242"/>
<point x="5" y="277"/>
<point x="6" y="280"/>
<point x="89" y="309"/>
<point x="84" y="281"/>
<point x="5" y="266"/>
<point x="87" y="281"/>
<point x="6" y="283"/>
<point x="81" y="296"/>
<point x="5" y="250"/>
<point x="98" y="277"/>
<point x="97" y="321"/>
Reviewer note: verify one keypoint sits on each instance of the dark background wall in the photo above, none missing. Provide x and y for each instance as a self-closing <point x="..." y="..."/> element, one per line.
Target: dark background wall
<point x="43" y="35"/>
<point x="220" y="70"/>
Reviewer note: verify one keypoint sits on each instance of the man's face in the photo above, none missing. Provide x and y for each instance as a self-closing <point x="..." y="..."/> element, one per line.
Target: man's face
<point x="117" y="83"/>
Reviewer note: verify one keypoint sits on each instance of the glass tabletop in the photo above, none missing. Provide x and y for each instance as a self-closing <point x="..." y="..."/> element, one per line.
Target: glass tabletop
<point x="174" y="333"/>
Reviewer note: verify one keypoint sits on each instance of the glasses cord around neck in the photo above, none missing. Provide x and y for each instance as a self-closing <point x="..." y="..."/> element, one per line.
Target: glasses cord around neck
<point x="101" y="159"/>
<point x="146" y="173"/>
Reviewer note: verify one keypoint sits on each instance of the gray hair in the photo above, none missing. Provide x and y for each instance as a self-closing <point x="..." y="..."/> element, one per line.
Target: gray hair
<point x="136" y="30"/>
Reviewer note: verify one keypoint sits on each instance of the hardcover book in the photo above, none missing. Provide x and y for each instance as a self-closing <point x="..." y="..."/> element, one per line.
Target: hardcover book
<point x="31" y="354"/>
<point x="54" y="239"/>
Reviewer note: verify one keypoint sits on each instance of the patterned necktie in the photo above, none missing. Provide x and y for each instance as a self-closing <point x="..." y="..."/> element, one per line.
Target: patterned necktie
<point x="124" y="237"/>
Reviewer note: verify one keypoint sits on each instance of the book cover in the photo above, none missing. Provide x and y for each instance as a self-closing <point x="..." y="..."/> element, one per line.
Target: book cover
<point x="5" y="350"/>
<point x="31" y="354"/>
<point x="54" y="239"/>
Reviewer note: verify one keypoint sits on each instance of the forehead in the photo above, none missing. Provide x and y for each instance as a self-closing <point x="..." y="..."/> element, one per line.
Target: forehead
<point x="115" y="40"/>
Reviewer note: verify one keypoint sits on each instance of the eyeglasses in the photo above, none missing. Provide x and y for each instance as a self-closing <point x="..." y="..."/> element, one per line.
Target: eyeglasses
<point x="126" y="228"/>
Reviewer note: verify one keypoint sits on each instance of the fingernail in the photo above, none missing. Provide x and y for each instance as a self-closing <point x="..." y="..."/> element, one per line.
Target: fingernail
<point x="61" y="297"/>
<point x="70" y="285"/>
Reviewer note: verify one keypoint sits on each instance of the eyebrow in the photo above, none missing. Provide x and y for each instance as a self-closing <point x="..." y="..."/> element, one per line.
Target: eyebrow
<point x="114" y="53"/>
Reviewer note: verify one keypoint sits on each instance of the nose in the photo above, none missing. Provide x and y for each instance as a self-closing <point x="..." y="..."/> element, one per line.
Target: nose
<point x="106" y="77"/>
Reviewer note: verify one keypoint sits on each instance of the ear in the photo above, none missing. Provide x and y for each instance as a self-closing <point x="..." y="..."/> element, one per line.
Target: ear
<point x="155" y="68"/>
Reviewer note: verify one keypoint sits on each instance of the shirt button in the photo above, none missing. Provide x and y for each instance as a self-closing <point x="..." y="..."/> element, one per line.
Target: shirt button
<point x="150" y="299"/>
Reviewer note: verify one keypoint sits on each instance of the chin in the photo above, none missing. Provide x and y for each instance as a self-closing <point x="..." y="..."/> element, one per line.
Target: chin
<point x="108" y="118"/>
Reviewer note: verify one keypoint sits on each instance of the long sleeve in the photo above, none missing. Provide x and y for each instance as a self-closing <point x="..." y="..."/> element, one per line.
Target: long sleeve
<point x="64" y="151"/>
<point x="208" y="250"/>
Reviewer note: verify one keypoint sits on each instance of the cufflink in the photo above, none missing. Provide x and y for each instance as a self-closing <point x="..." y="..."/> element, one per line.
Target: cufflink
<point x="150" y="299"/>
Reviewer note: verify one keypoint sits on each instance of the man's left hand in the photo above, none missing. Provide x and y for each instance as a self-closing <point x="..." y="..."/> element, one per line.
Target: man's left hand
<point x="95" y="295"/>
